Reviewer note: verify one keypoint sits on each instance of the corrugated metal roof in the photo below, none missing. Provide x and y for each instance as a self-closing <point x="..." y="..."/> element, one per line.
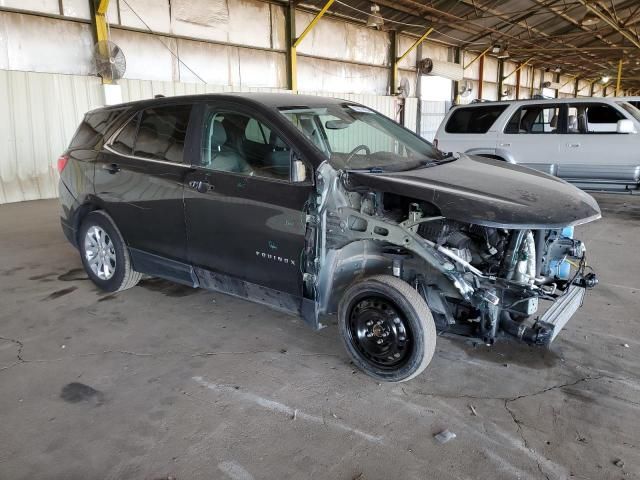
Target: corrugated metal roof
<point x="550" y="32"/>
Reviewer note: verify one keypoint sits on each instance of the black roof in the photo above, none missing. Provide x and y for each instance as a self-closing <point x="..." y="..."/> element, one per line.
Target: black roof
<point x="266" y="99"/>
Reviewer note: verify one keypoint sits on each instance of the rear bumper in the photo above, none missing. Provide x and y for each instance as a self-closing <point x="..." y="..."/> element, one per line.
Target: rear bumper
<point x="69" y="232"/>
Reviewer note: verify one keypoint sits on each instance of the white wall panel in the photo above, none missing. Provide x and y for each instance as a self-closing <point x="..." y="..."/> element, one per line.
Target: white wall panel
<point x="244" y="22"/>
<point x="146" y="56"/>
<point x="44" y="6"/>
<point x="76" y="8"/>
<point x="154" y="13"/>
<point x="331" y="76"/>
<point x="68" y="46"/>
<point x="340" y="40"/>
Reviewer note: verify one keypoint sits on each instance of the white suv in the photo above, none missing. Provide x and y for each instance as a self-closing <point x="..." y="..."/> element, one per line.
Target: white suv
<point x="592" y="142"/>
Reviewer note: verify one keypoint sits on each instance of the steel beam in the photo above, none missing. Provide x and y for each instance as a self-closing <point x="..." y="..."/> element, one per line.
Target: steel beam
<point x="396" y="61"/>
<point x="477" y="57"/>
<point x="98" y="9"/>
<point x="611" y="22"/>
<point x="292" y="53"/>
<point x="619" y="79"/>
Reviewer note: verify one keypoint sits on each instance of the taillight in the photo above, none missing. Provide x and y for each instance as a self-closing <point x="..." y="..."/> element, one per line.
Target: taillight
<point x="435" y="142"/>
<point x="62" y="162"/>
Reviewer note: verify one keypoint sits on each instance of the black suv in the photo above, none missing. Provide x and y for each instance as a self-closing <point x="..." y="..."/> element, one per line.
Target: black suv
<point x="319" y="206"/>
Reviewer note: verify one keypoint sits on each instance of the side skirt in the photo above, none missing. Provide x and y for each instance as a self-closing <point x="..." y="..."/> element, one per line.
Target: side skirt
<point x="281" y="301"/>
<point x="186" y="274"/>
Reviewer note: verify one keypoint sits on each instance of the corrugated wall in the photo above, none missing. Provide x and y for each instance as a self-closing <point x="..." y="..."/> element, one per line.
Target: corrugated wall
<point x="39" y="113"/>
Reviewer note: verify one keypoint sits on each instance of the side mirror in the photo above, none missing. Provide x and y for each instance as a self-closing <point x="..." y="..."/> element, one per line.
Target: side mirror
<point x="625" y="126"/>
<point x="298" y="171"/>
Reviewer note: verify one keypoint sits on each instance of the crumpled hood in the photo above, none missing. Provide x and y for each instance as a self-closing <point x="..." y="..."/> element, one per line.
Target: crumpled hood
<point x="489" y="192"/>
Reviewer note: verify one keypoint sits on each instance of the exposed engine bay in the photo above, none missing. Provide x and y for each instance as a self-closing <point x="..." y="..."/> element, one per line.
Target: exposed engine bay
<point x="479" y="281"/>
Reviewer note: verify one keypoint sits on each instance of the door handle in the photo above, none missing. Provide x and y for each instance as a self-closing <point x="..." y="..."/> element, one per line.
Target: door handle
<point x="573" y="145"/>
<point x="200" y="186"/>
<point x="111" y="168"/>
<point x="505" y="144"/>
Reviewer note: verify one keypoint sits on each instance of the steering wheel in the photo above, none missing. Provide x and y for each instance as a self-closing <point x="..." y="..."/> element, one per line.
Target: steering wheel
<point x="356" y="150"/>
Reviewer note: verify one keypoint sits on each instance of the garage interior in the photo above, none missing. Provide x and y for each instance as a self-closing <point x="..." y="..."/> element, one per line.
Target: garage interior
<point x="165" y="381"/>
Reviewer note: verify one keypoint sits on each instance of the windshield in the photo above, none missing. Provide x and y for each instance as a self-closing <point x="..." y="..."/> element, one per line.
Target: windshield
<point x="355" y="137"/>
<point x="633" y="111"/>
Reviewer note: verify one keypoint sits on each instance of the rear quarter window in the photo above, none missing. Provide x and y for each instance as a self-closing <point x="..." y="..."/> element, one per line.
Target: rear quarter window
<point x="474" y="119"/>
<point x="93" y="127"/>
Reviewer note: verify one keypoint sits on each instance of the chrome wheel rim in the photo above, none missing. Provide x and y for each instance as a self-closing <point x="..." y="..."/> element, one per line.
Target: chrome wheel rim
<point x="100" y="253"/>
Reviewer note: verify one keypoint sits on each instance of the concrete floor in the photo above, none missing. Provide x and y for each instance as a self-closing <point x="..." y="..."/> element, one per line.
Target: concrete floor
<point x="165" y="381"/>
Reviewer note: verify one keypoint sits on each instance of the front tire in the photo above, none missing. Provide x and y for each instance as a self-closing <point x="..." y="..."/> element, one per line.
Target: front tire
<point x="104" y="254"/>
<point x="387" y="328"/>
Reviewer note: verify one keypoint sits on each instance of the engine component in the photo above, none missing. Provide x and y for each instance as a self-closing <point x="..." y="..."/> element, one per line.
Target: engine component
<point x="560" y="244"/>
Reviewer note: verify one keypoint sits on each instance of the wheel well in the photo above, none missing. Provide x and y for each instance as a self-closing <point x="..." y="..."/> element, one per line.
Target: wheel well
<point x="79" y="215"/>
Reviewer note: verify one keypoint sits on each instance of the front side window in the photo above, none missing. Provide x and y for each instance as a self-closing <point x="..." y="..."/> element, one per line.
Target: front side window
<point x="535" y="119"/>
<point x="162" y="133"/>
<point x="355" y="137"/>
<point x="237" y="143"/>
<point x="602" y="118"/>
<point x="474" y="119"/>
<point x="586" y="118"/>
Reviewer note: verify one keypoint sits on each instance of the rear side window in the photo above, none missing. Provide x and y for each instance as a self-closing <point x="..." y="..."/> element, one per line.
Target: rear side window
<point x="124" y="141"/>
<point x="474" y="119"/>
<point x="535" y="119"/>
<point x="93" y="127"/>
<point x="162" y="132"/>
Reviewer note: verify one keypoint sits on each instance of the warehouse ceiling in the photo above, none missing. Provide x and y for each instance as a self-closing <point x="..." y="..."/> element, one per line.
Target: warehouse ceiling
<point x="584" y="38"/>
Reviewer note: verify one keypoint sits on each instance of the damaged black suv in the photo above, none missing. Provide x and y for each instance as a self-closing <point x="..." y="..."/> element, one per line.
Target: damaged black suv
<point x="319" y="206"/>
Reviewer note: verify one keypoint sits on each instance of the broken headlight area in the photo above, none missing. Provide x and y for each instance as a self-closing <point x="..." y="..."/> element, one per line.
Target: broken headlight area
<point x="478" y="281"/>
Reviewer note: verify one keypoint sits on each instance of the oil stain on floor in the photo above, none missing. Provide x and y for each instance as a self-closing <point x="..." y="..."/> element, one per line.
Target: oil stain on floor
<point x="76" y="392"/>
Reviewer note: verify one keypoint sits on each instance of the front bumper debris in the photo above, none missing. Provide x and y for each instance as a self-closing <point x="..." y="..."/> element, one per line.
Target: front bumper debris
<point x="560" y="313"/>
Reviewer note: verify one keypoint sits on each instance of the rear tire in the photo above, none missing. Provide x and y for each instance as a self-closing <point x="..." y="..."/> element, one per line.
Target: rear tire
<point x="387" y="328"/>
<point x="104" y="254"/>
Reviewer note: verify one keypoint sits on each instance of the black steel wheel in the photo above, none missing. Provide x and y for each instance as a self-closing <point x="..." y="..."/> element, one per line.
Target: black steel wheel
<point x="387" y="328"/>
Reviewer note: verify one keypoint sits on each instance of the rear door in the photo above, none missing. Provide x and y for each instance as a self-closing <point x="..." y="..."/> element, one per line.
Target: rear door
<point x="245" y="217"/>
<point x="140" y="179"/>
<point x="532" y="136"/>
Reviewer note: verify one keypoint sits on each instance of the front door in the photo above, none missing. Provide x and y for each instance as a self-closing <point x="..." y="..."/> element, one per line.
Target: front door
<point x="140" y="176"/>
<point x="593" y="150"/>
<point x="245" y="217"/>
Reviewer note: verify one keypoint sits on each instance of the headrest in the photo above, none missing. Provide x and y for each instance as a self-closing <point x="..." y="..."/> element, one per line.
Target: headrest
<point x="218" y="134"/>
<point x="554" y="122"/>
<point x="276" y="142"/>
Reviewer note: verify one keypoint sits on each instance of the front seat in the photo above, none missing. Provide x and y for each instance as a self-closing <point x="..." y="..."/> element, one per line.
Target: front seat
<point x="278" y="159"/>
<point x="223" y="156"/>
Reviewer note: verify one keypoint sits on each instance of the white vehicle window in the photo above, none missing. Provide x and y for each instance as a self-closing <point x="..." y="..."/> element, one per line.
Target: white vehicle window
<point x="594" y="118"/>
<point x="474" y="119"/>
<point x="535" y="119"/>
<point x="602" y="118"/>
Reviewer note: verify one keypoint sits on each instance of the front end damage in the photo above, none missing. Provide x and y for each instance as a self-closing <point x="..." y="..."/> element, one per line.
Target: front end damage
<point x="478" y="281"/>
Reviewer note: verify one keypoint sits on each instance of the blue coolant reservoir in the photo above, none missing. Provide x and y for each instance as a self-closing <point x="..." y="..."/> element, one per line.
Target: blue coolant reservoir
<point x="561" y="268"/>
